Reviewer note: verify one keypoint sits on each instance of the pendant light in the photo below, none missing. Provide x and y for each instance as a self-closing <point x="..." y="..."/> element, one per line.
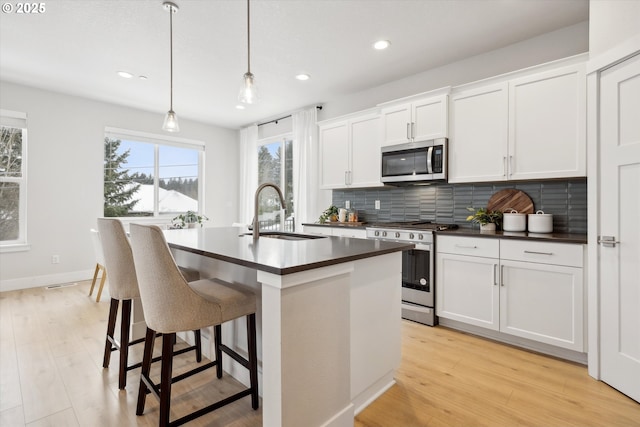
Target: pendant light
<point x="248" y="93"/>
<point x="171" y="119"/>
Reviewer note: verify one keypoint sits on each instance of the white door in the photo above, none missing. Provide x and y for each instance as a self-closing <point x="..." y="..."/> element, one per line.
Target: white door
<point x="365" y="152"/>
<point x="430" y="118"/>
<point x="334" y="155"/>
<point x="620" y="219"/>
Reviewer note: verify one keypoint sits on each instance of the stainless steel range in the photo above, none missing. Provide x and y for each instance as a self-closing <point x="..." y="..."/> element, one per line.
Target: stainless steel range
<point x="418" y="287"/>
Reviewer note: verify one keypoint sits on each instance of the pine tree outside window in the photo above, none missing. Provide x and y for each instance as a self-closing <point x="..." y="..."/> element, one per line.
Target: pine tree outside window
<point x="275" y="165"/>
<point x="151" y="176"/>
<point x="13" y="185"/>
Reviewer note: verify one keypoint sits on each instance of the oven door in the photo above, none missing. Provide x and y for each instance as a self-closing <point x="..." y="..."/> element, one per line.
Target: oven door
<point x="417" y="276"/>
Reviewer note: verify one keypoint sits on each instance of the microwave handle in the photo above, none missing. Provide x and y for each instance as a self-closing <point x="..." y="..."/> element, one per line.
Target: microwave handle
<point x="429" y="162"/>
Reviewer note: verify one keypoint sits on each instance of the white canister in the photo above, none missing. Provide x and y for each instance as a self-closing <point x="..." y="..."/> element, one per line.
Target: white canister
<point x="540" y="222"/>
<point x="342" y="214"/>
<point x="514" y="221"/>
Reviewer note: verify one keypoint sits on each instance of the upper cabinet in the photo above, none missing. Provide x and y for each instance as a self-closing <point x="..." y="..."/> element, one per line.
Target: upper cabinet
<point x="421" y="119"/>
<point x="530" y="127"/>
<point x="350" y="151"/>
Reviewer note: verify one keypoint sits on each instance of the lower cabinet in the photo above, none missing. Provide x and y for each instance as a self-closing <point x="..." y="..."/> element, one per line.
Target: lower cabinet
<point x="360" y="233"/>
<point x="533" y="290"/>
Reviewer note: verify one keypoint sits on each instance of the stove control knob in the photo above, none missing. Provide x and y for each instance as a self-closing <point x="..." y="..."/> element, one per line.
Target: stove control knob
<point x="377" y="233"/>
<point x="397" y="235"/>
<point x="412" y="236"/>
<point x="423" y="281"/>
<point x="384" y="234"/>
<point x="420" y="236"/>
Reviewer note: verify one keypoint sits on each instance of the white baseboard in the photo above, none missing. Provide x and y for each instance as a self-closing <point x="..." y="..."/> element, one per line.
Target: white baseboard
<point x="47" y="280"/>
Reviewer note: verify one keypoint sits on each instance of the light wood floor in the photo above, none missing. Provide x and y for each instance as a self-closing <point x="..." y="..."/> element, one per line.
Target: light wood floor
<point x="51" y="344"/>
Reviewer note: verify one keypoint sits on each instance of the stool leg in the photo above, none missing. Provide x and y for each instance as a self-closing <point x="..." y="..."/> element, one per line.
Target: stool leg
<point x="104" y="278"/>
<point x="165" y="378"/>
<point x="111" y="327"/>
<point x="95" y="278"/>
<point x="198" y="344"/>
<point x="218" y="343"/>
<point x="146" y="368"/>
<point x="125" y="323"/>
<point x="253" y="359"/>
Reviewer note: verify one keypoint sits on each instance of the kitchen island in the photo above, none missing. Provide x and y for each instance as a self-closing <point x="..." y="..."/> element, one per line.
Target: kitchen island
<point x="328" y="317"/>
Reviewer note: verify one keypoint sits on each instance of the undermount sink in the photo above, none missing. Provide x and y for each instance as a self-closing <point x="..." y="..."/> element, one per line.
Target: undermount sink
<point x="286" y="236"/>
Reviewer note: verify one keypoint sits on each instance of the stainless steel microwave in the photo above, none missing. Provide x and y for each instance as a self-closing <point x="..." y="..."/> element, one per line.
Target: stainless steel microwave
<point x="415" y="162"/>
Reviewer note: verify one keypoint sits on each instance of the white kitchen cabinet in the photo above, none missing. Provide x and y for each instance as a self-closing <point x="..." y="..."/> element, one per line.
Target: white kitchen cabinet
<point x="350" y="152"/>
<point x="547" y="124"/>
<point x="478" y="135"/>
<point x="531" y="127"/>
<point x="533" y="289"/>
<point x="346" y="231"/>
<point x="420" y="120"/>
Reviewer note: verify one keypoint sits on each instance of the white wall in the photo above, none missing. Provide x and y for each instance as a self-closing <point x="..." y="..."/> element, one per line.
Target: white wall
<point x="612" y="22"/>
<point x="65" y="179"/>
<point x="558" y="44"/>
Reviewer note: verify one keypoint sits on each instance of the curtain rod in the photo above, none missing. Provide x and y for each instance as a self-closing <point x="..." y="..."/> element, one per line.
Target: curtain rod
<point x="319" y="107"/>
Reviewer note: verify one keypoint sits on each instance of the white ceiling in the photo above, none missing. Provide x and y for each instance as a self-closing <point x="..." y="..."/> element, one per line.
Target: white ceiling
<point x="77" y="47"/>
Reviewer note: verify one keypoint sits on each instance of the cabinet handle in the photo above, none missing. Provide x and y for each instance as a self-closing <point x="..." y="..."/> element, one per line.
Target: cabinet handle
<point x="538" y="253"/>
<point x="408" y="131"/>
<point x="350" y="177"/>
<point x="504" y="166"/>
<point x="502" y="275"/>
<point x="346" y="179"/>
<point x="495" y="282"/>
<point x="510" y="166"/>
<point x="466" y="247"/>
<point x="413" y="130"/>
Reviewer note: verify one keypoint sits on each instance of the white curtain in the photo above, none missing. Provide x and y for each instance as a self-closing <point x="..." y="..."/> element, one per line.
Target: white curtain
<point x="308" y="198"/>
<point x="248" y="172"/>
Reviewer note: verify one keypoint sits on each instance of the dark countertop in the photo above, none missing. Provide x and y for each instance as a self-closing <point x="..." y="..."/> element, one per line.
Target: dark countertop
<point x="520" y="235"/>
<point x="275" y="255"/>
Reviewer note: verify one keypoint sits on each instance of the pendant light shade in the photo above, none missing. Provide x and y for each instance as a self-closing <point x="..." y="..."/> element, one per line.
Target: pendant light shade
<point x="248" y="92"/>
<point x="171" y="119"/>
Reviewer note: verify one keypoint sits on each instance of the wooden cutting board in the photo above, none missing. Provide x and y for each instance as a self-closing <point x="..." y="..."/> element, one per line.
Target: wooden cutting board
<point x="510" y="198"/>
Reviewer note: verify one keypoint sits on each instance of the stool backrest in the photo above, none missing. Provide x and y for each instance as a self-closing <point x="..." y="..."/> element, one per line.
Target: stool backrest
<point x="118" y="258"/>
<point x="168" y="303"/>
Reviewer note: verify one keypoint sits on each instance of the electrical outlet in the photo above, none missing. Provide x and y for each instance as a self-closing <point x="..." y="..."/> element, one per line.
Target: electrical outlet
<point x="347" y="204"/>
<point x="377" y="204"/>
<point x="55" y="259"/>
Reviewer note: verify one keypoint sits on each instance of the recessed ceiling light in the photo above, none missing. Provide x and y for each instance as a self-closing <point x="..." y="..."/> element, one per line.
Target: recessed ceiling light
<point x="142" y="77"/>
<point x="240" y="107"/>
<point x="381" y="44"/>
<point x="125" y="74"/>
<point x="303" y="77"/>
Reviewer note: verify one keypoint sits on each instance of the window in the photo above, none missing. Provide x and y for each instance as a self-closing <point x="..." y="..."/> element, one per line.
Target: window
<point x="275" y="165"/>
<point x="147" y="175"/>
<point x="13" y="186"/>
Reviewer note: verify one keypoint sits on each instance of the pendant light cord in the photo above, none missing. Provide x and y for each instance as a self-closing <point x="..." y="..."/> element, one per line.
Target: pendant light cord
<point x="171" y="56"/>
<point x="248" y="38"/>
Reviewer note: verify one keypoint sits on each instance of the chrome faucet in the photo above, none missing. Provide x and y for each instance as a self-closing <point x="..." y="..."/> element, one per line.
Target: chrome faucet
<point x="256" y="226"/>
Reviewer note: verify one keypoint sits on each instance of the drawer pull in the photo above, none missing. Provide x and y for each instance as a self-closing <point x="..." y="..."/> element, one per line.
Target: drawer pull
<point x="495" y="282"/>
<point x="466" y="247"/>
<point x="538" y="253"/>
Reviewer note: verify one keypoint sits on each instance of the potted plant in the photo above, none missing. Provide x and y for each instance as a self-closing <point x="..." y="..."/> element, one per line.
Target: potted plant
<point x="488" y="220"/>
<point x="329" y="214"/>
<point x="188" y="220"/>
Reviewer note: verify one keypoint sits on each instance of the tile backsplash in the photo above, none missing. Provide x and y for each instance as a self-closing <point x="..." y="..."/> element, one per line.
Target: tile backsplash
<point x="447" y="203"/>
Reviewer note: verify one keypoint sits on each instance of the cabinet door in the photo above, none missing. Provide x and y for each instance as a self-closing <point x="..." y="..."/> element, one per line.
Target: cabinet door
<point x="542" y="302"/>
<point x="547" y="125"/>
<point x="334" y="155"/>
<point x="320" y="229"/>
<point x="467" y="289"/>
<point x="478" y="134"/>
<point x="396" y="123"/>
<point x="365" y="152"/>
<point x="430" y="118"/>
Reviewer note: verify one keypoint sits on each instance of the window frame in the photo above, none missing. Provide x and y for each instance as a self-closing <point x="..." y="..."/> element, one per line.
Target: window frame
<point x="18" y="120"/>
<point x="282" y="139"/>
<point x="158" y="140"/>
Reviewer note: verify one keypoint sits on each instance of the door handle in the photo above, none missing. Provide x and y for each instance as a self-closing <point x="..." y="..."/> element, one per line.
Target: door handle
<point x="495" y="281"/>
<point x="429" y="163"/>
<point x="608" y="241"/>
<point x="504" y="166"/>
<point x="510" y="165"/>
<point x="413" y="130"/>
<point x="346" y="177"/>
<point x="408" y="131"/>
<point x="502" y="275"/>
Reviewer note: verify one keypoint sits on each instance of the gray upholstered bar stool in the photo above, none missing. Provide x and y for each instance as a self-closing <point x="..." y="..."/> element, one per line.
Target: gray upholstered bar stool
<point x="171" y="305"/>
<point x="123" y="286"/>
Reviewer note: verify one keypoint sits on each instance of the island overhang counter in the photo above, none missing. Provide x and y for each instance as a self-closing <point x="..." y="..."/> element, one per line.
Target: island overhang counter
<point x="328" y="318"/>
